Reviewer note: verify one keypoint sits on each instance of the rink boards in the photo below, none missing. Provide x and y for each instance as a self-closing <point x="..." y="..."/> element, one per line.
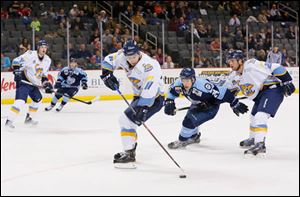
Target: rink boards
<point x="99" y="90"/>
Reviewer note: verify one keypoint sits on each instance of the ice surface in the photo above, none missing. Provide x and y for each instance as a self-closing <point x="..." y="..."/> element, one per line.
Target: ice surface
<point x="71" y="152"/>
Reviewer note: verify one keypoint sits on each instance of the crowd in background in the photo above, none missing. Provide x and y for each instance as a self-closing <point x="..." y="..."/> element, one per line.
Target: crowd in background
<point x="178" y="14"/>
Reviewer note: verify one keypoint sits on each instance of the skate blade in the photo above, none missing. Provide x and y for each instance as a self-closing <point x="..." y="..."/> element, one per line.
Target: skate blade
<point x="259" y="155"/>
<point x="129" y="165"/>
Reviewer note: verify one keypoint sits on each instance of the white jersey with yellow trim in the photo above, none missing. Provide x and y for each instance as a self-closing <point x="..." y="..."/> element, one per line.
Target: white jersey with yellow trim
<point x="145" y="76"/>
<point x="34" y="68"/>
<point x="257" y="74"/>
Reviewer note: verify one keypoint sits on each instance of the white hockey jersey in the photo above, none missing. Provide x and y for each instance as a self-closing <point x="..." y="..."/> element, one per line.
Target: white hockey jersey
<point x="146" y="76"/>
<point x="34" y="68"/>
<point x="256" y="75"/>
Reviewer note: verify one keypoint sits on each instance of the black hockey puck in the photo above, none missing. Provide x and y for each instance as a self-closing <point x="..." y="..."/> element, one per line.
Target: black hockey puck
<point x="182" y="176"/>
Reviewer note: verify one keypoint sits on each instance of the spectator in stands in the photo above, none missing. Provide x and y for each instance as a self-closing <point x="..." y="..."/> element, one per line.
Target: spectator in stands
<point x="277" y="33"/>
<point x="42" y="11"/>
<point x="5" y="63"/>
<point x="274" y="56"/>
<point x="13" y="9"/>
<point x="77" y="22"/>
<point x="168" y="63"/>
<point x="215" y="45"/>
<point x="129" y="11"/>
<point x="269" y="33"/>
<point x="267" y="44"/>
<point x="262" y="17"/>
<point x="72" y="52"/>
<point x="159" y="56"/>
<point x="236" y="8"/>
<point x="126" y="35"/>
<point x="52" y="13"/>
<point x="138" y="18"/>
<point x="284" y="57"/>
<point x="61" y="16"/>
<point x="111" y="24"/>
<point x="119" y="8"/>
<point x="62" y="31"/>
<point x="4" y="14"/>
<point x="145" y="48"/>
<point x="77" y="33"/>
<point x="182" y="26"/>
<point x="262" y="34"/>
<point x="274" y="13"/>
<point x="154" y="20"/>
<point x="202" y="31"/>
<point x="101" y="17"/>
<point x="251" y="42"/>
<point x="290" y="34"/>
<point x="24" y="46"/>
<point x="234" y="21"/>
<point x="35" y="24"/>
<point x="117" y="45"/>
<point x="117" y="33"/>
<point x="225" y="45"/>
<point x="107" y="39"/>
<point x="211" y="33"/>
<point x="23" y="10"/>
<point x="58" y="66"/>
<point x="74" y="12"/>
<point x="83" y="52"/>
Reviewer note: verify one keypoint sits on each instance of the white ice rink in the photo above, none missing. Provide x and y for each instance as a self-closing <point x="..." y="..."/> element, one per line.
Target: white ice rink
<point x="71" y="152"/>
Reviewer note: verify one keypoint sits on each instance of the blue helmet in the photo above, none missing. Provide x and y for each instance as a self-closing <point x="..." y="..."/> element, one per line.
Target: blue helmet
<point x="41" y="43"/>
<point x="235" y="54"/>
<point x="130" y="48"/>
<point x="188" y="73"/>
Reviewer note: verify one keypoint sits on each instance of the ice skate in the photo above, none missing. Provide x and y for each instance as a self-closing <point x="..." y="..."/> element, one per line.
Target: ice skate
<point x="125" y="160"/>
<point x="30" y="121"/>
<point x="181" y="144"/>
<point x="259" y="150"/>
<point x="50" y="107"/>
<point x="9" y="124"/>
<point x="59" y="108"/>
<point x="247" y="143"/>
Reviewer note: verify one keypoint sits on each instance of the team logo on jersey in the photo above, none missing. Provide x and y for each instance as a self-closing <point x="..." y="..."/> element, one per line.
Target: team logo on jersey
<point x="247" y="89"/>
<point x="70" y="80"/>
<point x="38" y="73"/>
<point x="148" y="67"/>
<point x="208" y="86"/>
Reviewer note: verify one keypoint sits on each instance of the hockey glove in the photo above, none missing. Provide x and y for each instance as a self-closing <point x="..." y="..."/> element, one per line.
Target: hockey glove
<point x="48" y="87"/>
<point x="84" y="85"/>
<point x="110" y="81"/>
<point x="238" y="107"/>
<point x="58" y="85"/>
<point x="18" y="76"/>
<point x="288" y="88"/>
<point x="141" y="113"/>
<point x="170" y="108"/>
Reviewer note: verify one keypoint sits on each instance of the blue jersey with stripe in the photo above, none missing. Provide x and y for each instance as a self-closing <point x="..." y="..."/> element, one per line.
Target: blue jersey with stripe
<point x="202" y="91"/>
<point x="71" y="77"/>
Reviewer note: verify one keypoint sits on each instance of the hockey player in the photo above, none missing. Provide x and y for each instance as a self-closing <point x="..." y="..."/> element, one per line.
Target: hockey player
<point x="146" y="77"/>
<point x="266" y="84"/>
<point x="205" y="98"/>
<point x="68" y="82"/>
<point x="33" y="67"/>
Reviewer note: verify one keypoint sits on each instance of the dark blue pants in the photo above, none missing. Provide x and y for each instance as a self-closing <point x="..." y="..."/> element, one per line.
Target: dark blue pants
<point x="25" y="90"/>
<point x="194" y="118"/>
<point x="268" y="101"/>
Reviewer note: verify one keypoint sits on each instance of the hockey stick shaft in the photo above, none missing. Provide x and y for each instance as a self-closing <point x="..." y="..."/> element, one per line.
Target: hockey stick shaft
<point x="185" y="108"/>
<point x="29" y="83"/>
<point x="146" y="127"/>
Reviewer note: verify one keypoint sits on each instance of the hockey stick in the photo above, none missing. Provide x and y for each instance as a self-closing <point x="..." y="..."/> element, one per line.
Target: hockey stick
<point x="29" y="83"/>
<point x="181" y="176"/>
<point x="185" y="108"/>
